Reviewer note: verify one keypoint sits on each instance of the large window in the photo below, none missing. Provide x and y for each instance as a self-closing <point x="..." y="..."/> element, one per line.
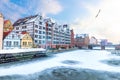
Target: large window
<point x="8" y="43"/>
<point x="24" y="43"/>
<point x="30" y="43"/>
<point x="40" y="23"/>
<point x="17" y="28"/>
<point x="24" y="27"/>
<point x="15" y="43"/>
<point x="36" y="36"/>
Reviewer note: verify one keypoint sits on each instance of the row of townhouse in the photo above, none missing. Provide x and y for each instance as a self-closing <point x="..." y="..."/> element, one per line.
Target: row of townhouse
<point x="84" y="41"/>
<point x="45" y="32"/>
<point x="12" y="40"/>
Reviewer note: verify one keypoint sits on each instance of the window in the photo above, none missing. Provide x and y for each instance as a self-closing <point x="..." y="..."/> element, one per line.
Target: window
<point x="17" y="28"/>
<point x="40" y="23"/>
<point x="24" y="43"/>
<point x="36" y="26"/>
<point x="39" y="41"/>
<point x="36" y="36"/>
<point x="30" y="43"/>
<point x="40" y="17"/>
<point x="24" y="27"/>
<point x="8" y="43"/>
<point x="40" y="37"/>
<point x="40" y="27"/>
<point x="13" y="36"/>
<point x="36" y="41"/>
<point x="15" y="43"/>
<point x="43" y="27"/>
<point x="43" y="32"/>
<point x="40" y="32"/>
<point x="36" y="31"/>
<point x="43" y="37"/>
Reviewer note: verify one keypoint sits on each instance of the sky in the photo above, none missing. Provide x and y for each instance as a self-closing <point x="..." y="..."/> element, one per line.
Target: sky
<point x="79" y="14"/>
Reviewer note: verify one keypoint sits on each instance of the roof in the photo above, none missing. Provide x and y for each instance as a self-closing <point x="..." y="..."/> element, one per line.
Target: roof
<point x="5" y="34"/>
<point x="23" y="20"/>
<point x="24" y="32"/>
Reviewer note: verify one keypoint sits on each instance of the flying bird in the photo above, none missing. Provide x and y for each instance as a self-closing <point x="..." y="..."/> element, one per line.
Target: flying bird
<point x="98" y="13"/>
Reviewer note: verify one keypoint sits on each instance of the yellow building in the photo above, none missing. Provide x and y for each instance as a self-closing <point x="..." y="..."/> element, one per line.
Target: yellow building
<point x="26" y="40"/>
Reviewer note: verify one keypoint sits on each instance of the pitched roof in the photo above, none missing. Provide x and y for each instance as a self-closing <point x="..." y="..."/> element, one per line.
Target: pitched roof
<point x="5" y="34"/>
<point x="23" y="20"/>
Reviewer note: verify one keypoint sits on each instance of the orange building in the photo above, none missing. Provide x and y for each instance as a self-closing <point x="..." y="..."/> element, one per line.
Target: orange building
<point x="8" y="27"/>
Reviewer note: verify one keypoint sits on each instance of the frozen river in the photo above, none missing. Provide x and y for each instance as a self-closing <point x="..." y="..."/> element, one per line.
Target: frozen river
<point x="85" y="59"/>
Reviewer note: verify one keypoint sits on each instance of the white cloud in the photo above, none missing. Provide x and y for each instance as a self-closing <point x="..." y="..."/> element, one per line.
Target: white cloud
<point x="13" y="11"/>
<point x="106" y="25"/>
<point x="10" y="10"/>
<point x="49" y="7"/>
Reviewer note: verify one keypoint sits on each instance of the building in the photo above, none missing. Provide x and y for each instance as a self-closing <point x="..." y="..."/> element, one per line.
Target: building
<point x="8" y="27"/>
<point x="35" y="26"/>
<point x="46" y="32"/>
<point x="103" y="43"/>
<point x="93" y="41"/>
<point x="72" y="39"/>
<point x="82" y="40"/>
<point x="1" y="30"/>
<point x="26" y="40"/>
<point x="11" y="41"/>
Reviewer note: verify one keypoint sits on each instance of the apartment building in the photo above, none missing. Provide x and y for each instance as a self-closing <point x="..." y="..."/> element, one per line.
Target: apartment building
<point x="46" y="32"/>
<point x="35" y="26"/>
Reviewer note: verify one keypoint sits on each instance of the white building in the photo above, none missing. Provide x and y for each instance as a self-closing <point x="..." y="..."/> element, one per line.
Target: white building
<point x="11" y="41"/>
<point x="1" y="30"/>
<point x="44" y="31"/>
<point x="35" y="26"/>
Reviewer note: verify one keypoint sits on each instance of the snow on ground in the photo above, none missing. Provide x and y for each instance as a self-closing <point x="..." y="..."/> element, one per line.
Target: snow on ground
<point x="90" y="59"/>
<point x="17" y="50"/>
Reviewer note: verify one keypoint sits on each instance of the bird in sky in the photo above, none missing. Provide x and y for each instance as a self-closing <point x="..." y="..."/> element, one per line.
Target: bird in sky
<point x="98" y="13"/>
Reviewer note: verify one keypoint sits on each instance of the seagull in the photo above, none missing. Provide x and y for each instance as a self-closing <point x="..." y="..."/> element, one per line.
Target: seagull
<point x="98" y="13"/>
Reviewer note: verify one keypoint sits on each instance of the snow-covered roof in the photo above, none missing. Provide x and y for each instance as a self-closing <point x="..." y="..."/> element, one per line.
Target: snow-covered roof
<point x="23" y="20"/>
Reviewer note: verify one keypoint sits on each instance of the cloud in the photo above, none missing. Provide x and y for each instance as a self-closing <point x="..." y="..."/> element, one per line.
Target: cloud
<point x="106" y="25"/>
<point x="14" y="11"/>
<point x="11" y="10"/>
<point x="49" y="7"/>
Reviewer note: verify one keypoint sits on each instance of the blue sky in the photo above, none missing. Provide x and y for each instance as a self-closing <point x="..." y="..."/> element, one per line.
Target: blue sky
<point x="79" y="14"/>
<point x="66" y="10"/>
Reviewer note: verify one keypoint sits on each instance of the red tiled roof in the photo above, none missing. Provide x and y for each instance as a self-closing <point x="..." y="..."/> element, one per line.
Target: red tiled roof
<point x="5" y="34"/>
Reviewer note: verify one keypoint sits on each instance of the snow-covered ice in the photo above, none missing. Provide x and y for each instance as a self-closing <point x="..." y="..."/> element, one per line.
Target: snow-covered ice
<point x="89" y="59"/>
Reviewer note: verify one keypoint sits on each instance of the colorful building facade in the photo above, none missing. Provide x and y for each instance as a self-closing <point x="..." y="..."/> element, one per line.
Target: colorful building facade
<point x="11" y="41"/>
<point x="82" y="40"/>
<point x="46" y="33"/>
<point x="26" y="40"/>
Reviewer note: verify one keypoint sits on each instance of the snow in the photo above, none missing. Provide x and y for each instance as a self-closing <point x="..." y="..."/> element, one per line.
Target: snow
<point x="17" y="50"/>
<point x="89" y="59"/>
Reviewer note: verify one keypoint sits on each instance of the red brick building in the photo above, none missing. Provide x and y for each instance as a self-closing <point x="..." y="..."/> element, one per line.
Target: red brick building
<point x="82" y="40"/>
<point x="72" y="44"/>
